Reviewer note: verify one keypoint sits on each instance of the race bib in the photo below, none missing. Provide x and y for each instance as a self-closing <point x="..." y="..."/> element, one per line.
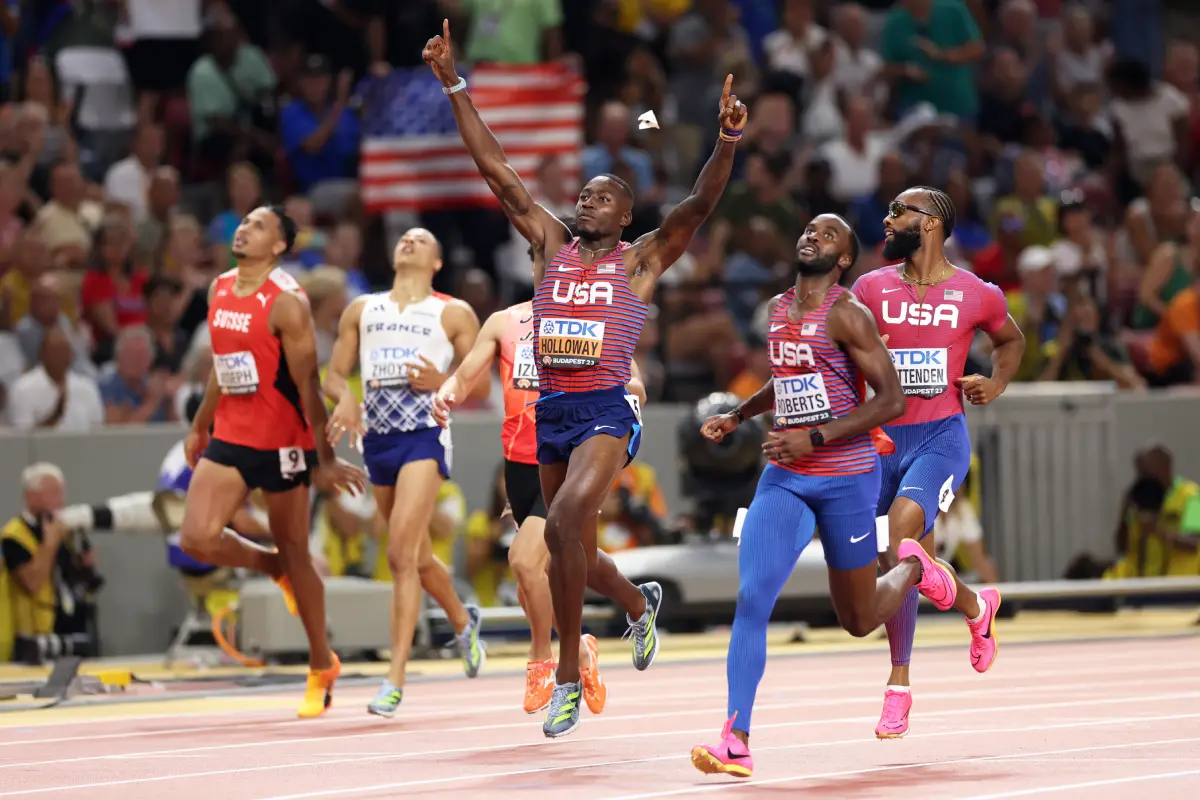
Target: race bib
<point x="923" y="373"/>
<point x="636" y="405"/>
<point x="291" y="462"/>
<point x="236" y="373"/>
<point x="387" y="367"/>
<point x="524" y="375"/>
<point x="801" y="401"/>
<point x="570" y="343"/>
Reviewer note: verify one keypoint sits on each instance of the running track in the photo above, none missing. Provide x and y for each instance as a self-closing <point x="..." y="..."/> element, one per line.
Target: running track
<point x="1092" y="720"/>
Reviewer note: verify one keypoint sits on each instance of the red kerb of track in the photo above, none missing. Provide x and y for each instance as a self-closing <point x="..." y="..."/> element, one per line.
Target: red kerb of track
<point x="1088" y="720"/>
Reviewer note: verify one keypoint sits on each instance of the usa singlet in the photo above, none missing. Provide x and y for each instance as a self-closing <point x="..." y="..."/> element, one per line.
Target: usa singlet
<point x="519" y="382"/>
<point x="260" y="404"/>
<point x="390" y="340"/>
<point x="815" y="382"/>
<point x="588" y="321"/>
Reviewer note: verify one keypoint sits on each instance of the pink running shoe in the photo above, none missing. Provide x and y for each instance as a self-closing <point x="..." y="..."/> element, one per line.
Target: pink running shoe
<point x="730" y="757"/>
<point x="893" y="723"/>
<point x="937" y="581"/>
<point x="984" y="646"/>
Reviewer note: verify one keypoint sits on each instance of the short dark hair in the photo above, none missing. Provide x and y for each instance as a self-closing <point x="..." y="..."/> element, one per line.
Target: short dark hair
<point x="855" y="244"/>
<point x="161" y="282"/>
<point x="625" y="188"/>
<point x="943" y="206"/>
<point x="287" y="226"/>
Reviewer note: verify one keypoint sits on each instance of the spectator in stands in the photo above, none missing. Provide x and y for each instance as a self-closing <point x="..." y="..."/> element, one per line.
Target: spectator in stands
<point x="309" y="246"/>
<point x="971" y="233"/>
<point x="857" y="69"/>
<point x="49" y="600"/>
<point x="754" y="267"/>
<point x="1082" y="254"/>
<point x="128" y="180"/>
<point x="51" y="395"/>
<point x="320" y="135"/>
<point x="12" y="226"/>
<point x="705" y="46"/>
<point x="1004" y="103"/>
<point x="162" y="203"/>
<point x="10" y="23"/>
<point x="757" y="370"/>
<point x="1159" y="529"/>
<point x="762" y="194"/>
<point x="229" y="97"/>
<point x="486" y="560"/>
<point x="133" y="394"/>
<point x="46" y="120"/>
<point x="1081" y="60"/>
<point x="1085" y="351"/>
<point x="1027" y="216"/>
<point x="165" y="42"/>
<point x="1085" y="128"/>
<point x="66" y="222"/>
<point x="854" y="158"/>
<point x="45" y="313"/>
<point x="788" y="49"/>
<point x="633" y="511"/>
<point x="505" y="33"/>
<point x="1173" y="268"/>
<point x="1173" y="352"/>
<point x="1160" y="216"/>
<point x="1151" y="123"/>
<point x="243" y="183"/>
<point x="612" y="147"/>
<point x="343" y="249"/>
<point x="112" y="290"/>
<point x="1018" y="29"/>
<point x="1038" y="308"/>
<point x="326" y="290"/>
<point x="868" y="211"/>
<point x="163" y="308"/>
<point x="182" y="259"/>
<point x="30" y="263"/>
<point x="929" y="47"/>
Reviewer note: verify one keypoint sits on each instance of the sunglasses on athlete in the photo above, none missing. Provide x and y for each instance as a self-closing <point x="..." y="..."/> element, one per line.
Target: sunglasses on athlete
<point x="897" y="208"/>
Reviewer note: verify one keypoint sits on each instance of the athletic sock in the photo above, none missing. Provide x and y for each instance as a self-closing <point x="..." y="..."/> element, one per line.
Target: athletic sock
<point x="902" y="629"/>
<point x="982" y="611"/>
<point x="899" y="689"/>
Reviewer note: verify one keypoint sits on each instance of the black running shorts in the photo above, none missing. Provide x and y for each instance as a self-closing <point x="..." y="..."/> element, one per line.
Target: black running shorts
<point x="270" y="470"/>
<point x="524" y="487"/>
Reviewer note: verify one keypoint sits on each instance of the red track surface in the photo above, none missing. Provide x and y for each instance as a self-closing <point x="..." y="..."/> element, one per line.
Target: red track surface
<point x="1095" y="720"/>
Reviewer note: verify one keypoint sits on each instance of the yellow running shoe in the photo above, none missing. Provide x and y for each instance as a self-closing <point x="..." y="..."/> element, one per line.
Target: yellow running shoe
<point x="595" y="692"/>
<point x="289" y="597"/>
<point x="318" y="694"/>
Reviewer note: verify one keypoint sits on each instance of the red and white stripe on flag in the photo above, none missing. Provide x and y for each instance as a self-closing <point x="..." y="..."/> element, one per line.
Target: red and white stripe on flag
<point x="534" y="112"/>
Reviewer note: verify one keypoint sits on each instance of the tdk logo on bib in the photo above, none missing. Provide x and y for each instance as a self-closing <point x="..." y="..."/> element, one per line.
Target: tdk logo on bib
<point x="387" y="366"/>
<point x="920" y="313"/>
<point x="801" y="401"/>
<point x="923" y="373"/>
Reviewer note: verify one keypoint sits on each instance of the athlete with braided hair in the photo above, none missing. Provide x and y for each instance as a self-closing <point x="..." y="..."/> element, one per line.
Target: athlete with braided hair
<point x="928" y="311"/>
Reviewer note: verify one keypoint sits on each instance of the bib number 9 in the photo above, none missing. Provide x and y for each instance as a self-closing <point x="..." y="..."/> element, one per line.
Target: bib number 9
<point x="636" y="405"/>
<point x="291" y="462"/>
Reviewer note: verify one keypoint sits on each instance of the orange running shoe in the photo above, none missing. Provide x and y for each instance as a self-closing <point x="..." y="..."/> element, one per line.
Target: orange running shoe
<point x="595" y="692"/>
<point x="318" y="694"/>
<point x="539" y="685"/>
<point x="289" y="596"/>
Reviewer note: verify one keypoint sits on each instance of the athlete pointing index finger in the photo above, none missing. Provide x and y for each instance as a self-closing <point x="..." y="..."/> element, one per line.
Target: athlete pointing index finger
<point x="589" y="307"/>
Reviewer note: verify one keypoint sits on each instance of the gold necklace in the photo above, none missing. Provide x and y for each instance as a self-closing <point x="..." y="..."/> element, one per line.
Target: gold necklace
<point x="597" y="250"/>
<point x="917" y="282"/>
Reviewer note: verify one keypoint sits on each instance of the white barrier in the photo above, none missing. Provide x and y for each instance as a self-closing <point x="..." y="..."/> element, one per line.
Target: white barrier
<point x="358" y="610"/>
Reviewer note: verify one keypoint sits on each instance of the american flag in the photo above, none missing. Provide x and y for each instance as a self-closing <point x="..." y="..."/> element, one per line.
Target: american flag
<point x="413" y="158"/>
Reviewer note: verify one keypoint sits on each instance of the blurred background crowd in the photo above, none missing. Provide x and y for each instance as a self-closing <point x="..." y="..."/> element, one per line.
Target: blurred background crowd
<point x="135" y="134"/>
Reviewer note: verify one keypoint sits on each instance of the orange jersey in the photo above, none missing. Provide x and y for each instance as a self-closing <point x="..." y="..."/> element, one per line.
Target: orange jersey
<point x="519" y="381"/>
<point x="260" y="404"/>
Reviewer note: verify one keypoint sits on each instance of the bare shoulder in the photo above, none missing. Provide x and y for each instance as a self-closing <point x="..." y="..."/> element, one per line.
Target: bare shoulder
<point x="354" y="310"/>
<point x="852" y="311"/>
<point x="291" y="311"/>
<point x="457" y="314"/>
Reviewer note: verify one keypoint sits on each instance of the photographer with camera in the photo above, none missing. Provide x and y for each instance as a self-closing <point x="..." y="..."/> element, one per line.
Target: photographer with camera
<point x="49" y="577"/>
<point x="718" y="478"/>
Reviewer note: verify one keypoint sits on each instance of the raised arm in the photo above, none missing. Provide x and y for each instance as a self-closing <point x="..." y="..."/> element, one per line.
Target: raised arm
<point x="659" y="249"/>
<point x="541" y="228"/>
<point x="852" y="326"/>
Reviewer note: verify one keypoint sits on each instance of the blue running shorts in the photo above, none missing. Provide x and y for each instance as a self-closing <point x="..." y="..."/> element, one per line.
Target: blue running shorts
<point x="566" y="420"/>
<point x="385" y="454"/>
<point x="930" y="463"/>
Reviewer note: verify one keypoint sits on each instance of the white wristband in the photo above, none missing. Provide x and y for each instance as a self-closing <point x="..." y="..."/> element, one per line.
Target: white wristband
<point x="458" y="87"/>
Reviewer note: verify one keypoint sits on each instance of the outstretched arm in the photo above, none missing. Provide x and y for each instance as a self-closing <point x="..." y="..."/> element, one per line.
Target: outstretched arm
<point x="541" y="228"/>
<point x="658" y="250"/>
<point x="852" y="326"/>
<point x="463" y="380"/>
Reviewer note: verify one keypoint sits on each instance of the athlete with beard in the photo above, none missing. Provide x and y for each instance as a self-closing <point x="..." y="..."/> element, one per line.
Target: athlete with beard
<point x="823" y="473"/>
<point x="589" y="308"/>
<point x="929" y="311"/>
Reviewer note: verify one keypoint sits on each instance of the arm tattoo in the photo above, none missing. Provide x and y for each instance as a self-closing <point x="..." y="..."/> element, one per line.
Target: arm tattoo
<point x="514" y="200"/>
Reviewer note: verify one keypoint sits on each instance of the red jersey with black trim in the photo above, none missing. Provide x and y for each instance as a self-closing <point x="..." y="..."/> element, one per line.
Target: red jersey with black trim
<point x="260" y="403"/>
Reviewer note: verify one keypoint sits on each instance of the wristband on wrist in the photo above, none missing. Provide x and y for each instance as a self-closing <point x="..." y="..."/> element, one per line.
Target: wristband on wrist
<point x="816" y="437"/>
<point x="458" y="87"/>
<point x="739" y="414"/>
<point x="730" y="136"/>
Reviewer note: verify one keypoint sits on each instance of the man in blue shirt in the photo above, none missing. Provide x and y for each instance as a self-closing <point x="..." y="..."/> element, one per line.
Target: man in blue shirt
<point x="320" y="135"/>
